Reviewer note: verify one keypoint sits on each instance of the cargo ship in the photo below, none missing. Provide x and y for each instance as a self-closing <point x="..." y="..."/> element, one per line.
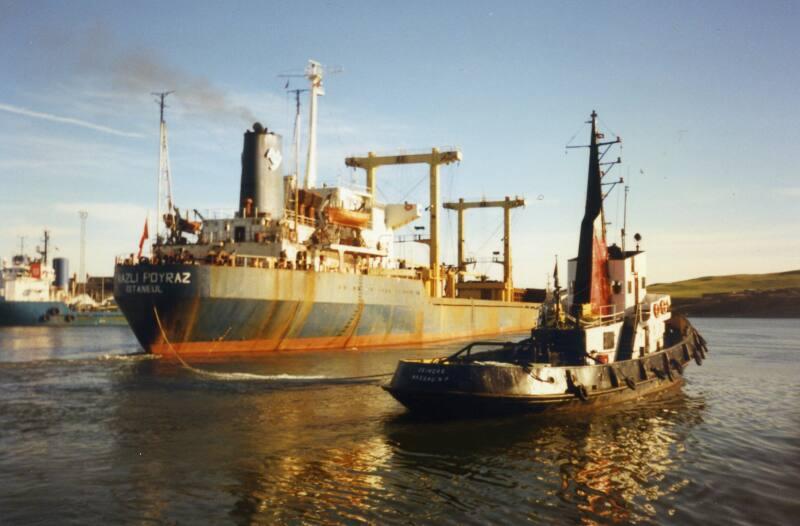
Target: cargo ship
<point x="34" y="294"/>
<point x="303" y="266"/>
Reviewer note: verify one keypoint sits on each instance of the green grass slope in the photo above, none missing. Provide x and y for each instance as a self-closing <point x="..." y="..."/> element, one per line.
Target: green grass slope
<point x="695" y="288"/>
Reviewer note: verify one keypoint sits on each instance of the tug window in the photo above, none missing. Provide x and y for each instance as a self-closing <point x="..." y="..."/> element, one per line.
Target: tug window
<point x="630" y="287"/>
<point x="643" y="282"/>
<point x="608" y="340"/>
<point x="238" y="234"/>
<point x="617" y="287"/>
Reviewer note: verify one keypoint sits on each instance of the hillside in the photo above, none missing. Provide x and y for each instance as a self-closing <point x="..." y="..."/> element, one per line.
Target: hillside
<point x="697" y="287"/>
<point x="775" y="295"/>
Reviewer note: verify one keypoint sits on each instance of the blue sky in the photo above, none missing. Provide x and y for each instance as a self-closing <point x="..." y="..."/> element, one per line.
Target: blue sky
<point x="704" y="95"/>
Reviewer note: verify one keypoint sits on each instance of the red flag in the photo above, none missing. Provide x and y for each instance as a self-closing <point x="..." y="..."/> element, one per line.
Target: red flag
<point x="144" y="237"/>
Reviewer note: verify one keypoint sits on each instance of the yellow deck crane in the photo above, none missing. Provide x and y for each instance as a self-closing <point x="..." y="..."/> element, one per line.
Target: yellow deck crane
<point x="507" y="204"/>
<point x="435" y="158"/>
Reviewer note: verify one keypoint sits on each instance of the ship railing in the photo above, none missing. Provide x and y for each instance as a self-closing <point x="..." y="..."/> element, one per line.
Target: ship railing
<point x="465" y="352"/>
<point x="219" y="213"/>
<point x="611" y="316"/>
<point x="407" y="151"/>
<point x="303" y="220"/>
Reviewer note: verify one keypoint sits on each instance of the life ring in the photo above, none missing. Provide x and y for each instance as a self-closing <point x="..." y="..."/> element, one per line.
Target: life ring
<point x="656" y="309"/>
<point x="52" y="311"/>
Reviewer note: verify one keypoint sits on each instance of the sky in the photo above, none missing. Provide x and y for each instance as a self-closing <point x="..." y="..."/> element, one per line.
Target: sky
<point x="703" y="94"/>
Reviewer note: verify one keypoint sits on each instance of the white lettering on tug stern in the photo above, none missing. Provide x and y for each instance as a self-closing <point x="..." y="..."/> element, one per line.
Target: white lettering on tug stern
<point x="430" y="375"/>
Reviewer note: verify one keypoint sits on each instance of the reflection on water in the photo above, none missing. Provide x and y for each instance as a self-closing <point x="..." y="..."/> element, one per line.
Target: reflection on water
<point x="334" y="453"/>
<point x="607" y="467"/>
<point x="144" y="441"/>
<point x="21" y="344"/>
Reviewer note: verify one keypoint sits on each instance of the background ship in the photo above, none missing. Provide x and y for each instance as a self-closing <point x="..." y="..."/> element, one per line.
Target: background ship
<point x="302" y="266"/>
<point x="33" y="293"/>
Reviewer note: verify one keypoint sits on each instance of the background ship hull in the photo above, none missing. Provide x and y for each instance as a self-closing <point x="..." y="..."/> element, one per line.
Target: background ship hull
<point x="53" y="313"/>
<point x="209" y="310"/>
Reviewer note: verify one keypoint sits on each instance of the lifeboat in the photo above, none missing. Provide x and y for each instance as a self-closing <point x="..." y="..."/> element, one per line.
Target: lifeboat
<point x="351" y="218"/>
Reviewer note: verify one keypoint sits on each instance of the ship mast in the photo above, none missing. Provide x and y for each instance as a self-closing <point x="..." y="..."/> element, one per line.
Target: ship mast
<point x="314" y="75"/>
<point x="296" y="138"/>
<point x="591" y="273"/>
<point x="164" y="183"/>
<point x="296" y="151"/>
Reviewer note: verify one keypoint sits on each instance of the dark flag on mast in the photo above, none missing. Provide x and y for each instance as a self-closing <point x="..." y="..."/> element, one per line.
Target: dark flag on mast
<point x="555" y="274"/>
<point x="591" y="273"/>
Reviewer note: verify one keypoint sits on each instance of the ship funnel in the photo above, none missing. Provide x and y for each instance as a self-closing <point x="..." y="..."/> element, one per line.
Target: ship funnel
<point x="262" y="173"/>
<point x="61" y="266"/>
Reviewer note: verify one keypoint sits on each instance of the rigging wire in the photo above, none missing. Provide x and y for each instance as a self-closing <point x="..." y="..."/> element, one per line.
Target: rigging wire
<point x="607" y="127"/>
<point x="576" y="134"/>
<point x="414" y="187"/>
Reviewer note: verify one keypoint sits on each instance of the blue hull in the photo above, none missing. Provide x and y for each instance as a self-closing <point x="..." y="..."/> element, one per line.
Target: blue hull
<point x="52" y="313"/>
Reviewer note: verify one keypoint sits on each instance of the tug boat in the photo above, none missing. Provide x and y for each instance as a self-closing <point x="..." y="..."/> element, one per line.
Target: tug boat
<point x="606" y="341"/>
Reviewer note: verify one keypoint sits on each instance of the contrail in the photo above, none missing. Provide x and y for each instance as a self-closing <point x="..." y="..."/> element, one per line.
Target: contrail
<point x="67" y="120"/>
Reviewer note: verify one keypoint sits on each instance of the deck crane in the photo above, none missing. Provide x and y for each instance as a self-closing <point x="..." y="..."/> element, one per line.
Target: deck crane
<point x="433" y="159"/>
<point x="507" y="204"/>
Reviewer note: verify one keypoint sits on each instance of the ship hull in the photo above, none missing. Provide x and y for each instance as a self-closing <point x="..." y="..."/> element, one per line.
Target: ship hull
<point x="196" y="310"/>
<point x="53" y="314"/>
<point x="440" y="388"/>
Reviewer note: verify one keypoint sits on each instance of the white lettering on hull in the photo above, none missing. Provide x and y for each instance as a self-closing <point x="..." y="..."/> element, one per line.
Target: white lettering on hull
<point x="150" y="282"/>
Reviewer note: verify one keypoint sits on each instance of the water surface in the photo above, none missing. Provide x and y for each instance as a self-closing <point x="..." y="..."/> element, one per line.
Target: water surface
<point x="90" y="434"/>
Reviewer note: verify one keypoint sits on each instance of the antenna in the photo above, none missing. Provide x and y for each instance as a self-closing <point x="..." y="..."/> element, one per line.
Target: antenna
<point x="624" y="217"/>
<point x="83" y="214"/>
<point x="164" y="183"/>
<point x="46" y="242"/>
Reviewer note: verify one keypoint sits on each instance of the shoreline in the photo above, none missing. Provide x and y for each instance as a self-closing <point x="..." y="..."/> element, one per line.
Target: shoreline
<point x="778" y="303"/>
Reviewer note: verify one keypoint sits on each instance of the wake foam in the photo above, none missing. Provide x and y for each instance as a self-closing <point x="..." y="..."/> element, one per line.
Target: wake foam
<point x="237" y="377"/>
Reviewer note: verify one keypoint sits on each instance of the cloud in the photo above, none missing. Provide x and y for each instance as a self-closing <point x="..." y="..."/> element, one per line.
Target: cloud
<point x="66" y="120"/>
<point x="142" y="71"/>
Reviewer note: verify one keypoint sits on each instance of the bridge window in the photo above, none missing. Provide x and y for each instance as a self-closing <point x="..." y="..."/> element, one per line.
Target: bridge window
<point x="608" y="340"/>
